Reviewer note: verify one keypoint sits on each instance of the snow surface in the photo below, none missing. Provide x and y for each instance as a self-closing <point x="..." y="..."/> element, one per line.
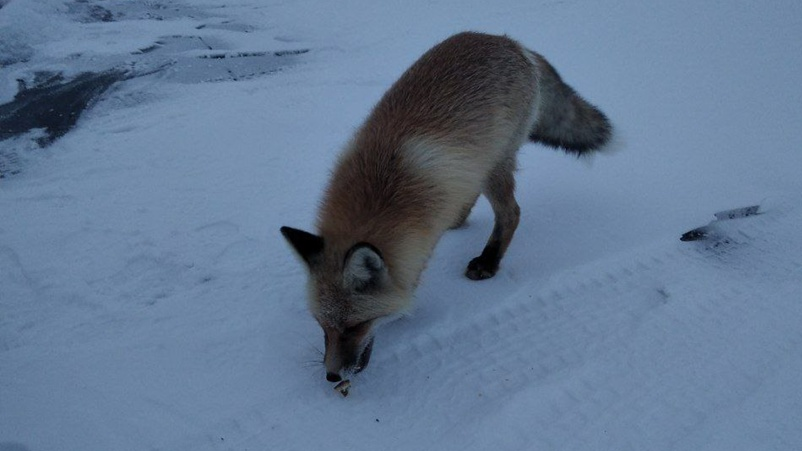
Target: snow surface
<point x="147" y="300"/>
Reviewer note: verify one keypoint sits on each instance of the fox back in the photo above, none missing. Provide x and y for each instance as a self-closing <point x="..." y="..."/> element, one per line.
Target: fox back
<point x="447" y="131"/>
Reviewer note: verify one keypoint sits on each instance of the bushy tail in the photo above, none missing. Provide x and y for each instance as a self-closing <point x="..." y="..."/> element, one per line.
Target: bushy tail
<point x="565" y="120"/>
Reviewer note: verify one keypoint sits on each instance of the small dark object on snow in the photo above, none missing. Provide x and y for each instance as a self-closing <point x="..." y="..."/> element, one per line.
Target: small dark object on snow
<point x="697" y="234"/>
<point x="704" y="232"/>
<point x="343" y="387"/>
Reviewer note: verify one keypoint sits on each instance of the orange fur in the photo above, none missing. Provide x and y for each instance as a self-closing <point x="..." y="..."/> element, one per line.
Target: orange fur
<point x="446" y="131"/>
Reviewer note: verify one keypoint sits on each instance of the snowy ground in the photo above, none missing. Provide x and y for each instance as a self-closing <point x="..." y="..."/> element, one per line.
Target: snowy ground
<point x="147" y="300"/>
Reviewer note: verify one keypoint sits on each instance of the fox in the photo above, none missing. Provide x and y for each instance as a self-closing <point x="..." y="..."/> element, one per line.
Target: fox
<point x="446" y="131"/>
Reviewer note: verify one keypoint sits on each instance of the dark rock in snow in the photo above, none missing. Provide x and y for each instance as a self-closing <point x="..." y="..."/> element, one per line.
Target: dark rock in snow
<point x="53" y="104"/>
<point x="48" y="104"/>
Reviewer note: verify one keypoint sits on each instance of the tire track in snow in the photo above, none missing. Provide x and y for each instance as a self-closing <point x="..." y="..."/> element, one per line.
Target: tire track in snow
<point x="589" y="321"/>
<point x="528" y="338"/>
<point x="639" y="349"/>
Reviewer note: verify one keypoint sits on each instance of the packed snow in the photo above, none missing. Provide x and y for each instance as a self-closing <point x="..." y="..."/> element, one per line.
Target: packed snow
<point x="148" y="301"/>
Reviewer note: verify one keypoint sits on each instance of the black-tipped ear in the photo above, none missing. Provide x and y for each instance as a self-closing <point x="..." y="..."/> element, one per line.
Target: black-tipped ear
<point x="307" y="245"/>
<point x="364" y="268"/>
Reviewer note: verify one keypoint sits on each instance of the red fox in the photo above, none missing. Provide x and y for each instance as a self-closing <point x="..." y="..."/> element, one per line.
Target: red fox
<point x="445" y="132"/>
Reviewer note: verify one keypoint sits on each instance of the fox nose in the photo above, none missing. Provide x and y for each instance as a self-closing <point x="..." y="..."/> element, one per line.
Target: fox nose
<point x="333" y="377"/>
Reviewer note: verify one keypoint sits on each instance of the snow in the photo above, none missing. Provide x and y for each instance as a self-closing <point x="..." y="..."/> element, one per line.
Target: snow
<point x="147" y="300"/>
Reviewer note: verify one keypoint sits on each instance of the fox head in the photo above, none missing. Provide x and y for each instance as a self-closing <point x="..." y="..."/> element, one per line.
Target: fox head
<point x="350" y="292"/>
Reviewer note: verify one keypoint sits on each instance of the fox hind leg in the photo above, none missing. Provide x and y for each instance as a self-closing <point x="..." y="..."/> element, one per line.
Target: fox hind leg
<point x="500" y="191"/>
<point x="463" y="216"/>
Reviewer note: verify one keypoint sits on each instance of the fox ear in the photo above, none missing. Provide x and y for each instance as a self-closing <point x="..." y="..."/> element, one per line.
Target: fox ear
<point x="364" y="268"/>
<point x="307" y="245"/>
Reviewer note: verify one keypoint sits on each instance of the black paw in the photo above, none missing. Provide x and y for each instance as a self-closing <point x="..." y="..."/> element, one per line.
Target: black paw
<point x="481" y="268"/>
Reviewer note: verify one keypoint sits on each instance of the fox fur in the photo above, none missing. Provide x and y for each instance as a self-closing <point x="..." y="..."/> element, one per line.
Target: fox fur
<point x="447" y="131"/>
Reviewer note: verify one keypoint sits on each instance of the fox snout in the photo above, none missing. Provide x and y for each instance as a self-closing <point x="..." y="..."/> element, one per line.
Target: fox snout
<point x="348" y="299"/>
<point x="347" y="351"/>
